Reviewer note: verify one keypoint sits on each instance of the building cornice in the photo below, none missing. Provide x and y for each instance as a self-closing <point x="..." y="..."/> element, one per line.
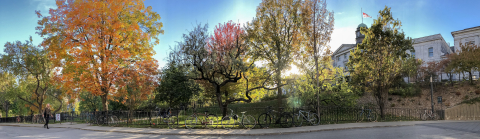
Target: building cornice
<point x="465" y="30"/>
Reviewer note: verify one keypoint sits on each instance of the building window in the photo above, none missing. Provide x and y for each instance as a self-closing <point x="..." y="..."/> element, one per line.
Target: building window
<point x="470" y="43"/>
<point x="338" y="58"/>
<point x="430" y="52"/>
<point x="345" y="56"/>
<point x="413" y="54"/>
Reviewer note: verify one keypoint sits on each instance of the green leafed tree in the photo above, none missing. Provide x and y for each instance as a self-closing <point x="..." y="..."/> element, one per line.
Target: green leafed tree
<point x="175" y="87"/>
<point x="7" y="84"/>
<point x="275" y="34"/>
<point x="376" y="64"/>
<point x="465" y="60"/>
<point x="33" y="68"/>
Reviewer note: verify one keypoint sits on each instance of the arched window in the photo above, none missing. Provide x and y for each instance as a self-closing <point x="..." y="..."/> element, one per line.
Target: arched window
<point x="430" y="52"/>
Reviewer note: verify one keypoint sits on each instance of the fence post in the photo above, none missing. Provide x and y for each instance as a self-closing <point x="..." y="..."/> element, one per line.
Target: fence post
<point x="336" y="115"/>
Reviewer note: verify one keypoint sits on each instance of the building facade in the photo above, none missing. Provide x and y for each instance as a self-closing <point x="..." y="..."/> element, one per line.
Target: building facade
<point x="431" y="48"/>
<point x="469" y="36"/>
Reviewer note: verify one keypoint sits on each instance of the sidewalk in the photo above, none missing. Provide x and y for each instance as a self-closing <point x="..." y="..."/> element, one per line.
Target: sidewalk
<point x="233" y="132"/>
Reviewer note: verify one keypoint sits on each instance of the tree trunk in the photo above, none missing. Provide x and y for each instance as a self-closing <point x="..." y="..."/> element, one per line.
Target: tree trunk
<point x="218" y="93"/>
<point x="380" y="102"/>
<point x="470" y="74"/>
<point x="450" y="75"/>
<point x="279" y="89"/>
<point x="7" y="104"/>
<point x="104" y="102"/>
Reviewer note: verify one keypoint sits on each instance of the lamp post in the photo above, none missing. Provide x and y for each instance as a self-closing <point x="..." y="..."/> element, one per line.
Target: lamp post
<point x="431" y="92"/>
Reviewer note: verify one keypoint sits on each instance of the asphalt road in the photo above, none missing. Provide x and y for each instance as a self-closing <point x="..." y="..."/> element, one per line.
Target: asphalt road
<point x="425" y="131"/>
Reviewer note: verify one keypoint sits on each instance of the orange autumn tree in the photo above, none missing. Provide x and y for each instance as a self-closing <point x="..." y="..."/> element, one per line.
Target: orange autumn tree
<point x="96" y="43"/>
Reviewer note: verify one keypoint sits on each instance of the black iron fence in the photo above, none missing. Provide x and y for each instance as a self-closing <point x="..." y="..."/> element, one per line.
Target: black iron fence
<point x="163" y="117"/>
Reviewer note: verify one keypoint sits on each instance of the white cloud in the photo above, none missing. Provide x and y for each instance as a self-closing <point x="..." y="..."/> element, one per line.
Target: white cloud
<point x="44" y="5"/>
<point x="341" y="36"/>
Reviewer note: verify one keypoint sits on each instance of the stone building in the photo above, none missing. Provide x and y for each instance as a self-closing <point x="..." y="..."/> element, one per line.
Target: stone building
<point x="428" y="48"/>
<point x="466" y="36"/>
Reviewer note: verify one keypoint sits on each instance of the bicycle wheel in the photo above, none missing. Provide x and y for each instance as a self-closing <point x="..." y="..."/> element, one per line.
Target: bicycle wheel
<point x="228" y="122"/>
<point x="249" y="122"/>
<point x="286" y="120"/>
<point x="191" y="122"/>
<point x="360" y="117"/>
<point x="264" y="120"/>
<point x="297" y="120"/>
<point x="101" y="120"/>
<point x="113" y="120"/>
<point x="424" y="117"/>
<point x="42" y="120"/>
<point x="212" y="121"/>
<point x="313" y="119"/>
<point x="434" y="117"/>
<point x="172" y="121"/>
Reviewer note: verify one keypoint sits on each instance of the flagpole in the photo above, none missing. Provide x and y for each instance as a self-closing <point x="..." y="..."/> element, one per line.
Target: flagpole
<point x="361" y="10"/>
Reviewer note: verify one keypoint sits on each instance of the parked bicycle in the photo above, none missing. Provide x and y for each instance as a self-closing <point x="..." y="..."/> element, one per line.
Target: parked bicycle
<point x="207" y="120"/>
<point x="369" y="114"/>
<point x="248" y="121"/>
<point x="168" y="117"/>
<point x="89" y="118"/>
<point x="428" y="115"/>
<point x="107" y="120"/>
<point x="308" y="116"/>
<point x="38" y="119"/>
<point x="285" y="119"/>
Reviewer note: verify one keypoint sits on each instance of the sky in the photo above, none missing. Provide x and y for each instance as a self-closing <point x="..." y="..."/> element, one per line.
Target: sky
<point x="419" y="18"/>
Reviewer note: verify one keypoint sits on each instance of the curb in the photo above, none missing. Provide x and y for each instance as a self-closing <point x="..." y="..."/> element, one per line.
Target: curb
<point x="247" y="134"/>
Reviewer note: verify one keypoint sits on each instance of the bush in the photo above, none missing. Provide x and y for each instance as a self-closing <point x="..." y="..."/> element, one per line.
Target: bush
<point x="389" y="99"/>
<point x="472" y="101"/>
<point x="458" y="93"/>
<point x="272" y="97"/>
<point x="477" y="92"/>
<point x="406" y="90"/>
<point x="392" y="105"/>
<point x="466" y="97"/>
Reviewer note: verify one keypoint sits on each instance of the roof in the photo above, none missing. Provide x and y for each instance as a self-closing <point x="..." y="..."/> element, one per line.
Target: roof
<point x="465" y="30"/>
<point x="342" y="46"/>
<point x="428" y="38"/>
<point x="362" y="25"/>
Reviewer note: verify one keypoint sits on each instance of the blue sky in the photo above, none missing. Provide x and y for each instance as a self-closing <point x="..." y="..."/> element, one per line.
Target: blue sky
<point x="419" y="17"/>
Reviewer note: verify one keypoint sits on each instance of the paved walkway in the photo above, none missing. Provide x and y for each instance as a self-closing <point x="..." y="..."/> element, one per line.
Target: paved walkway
<point x="232" y="132"/>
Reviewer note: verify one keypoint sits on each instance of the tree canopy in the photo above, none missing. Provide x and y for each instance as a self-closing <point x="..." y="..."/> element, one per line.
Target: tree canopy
<point x="376" y="64"/>
<point x="99" y="48"/>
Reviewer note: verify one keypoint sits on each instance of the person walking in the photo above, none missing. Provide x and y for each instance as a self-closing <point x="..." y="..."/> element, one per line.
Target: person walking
<point x="46" y="115"/>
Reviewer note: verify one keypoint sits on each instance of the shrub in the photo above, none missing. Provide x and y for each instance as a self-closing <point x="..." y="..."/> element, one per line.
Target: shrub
<point x="466" y="97"/>
<point x="477" y="92"/>
<point x="458" y="93"/>
<point x="390" y="99"/>
<point x="392" y="105"/>
<point x="399" y="100"/>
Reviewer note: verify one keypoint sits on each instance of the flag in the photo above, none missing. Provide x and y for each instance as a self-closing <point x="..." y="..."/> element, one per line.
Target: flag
<point x="366" y="15"/>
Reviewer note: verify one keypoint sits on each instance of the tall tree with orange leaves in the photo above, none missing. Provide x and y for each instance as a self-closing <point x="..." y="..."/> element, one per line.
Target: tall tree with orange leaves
<point x="99" y="44"/>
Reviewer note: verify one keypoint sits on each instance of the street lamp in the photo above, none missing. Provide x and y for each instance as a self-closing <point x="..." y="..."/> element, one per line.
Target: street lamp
<point x="431" y="92"/>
